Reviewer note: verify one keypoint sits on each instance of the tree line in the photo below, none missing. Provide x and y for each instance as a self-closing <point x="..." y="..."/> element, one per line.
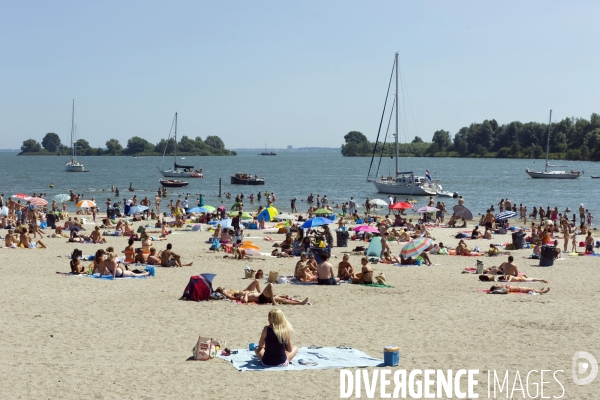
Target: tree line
<point x="51" y="144"/>
<point x="570" y="139"/>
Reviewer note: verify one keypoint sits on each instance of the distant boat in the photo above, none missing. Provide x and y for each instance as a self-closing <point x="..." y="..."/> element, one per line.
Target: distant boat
<point x="172" y="183"/>
<point x="72" y="164"/>
<point x="552" y="174"/>
<point x="178" y="171"/>
<point x="595" y="177"/>
<point x="267" y="153"/>
<point x="246" y="179"/>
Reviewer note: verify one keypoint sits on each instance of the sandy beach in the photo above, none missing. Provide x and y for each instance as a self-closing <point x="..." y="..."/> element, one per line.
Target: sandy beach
<point x="75" y="337"/>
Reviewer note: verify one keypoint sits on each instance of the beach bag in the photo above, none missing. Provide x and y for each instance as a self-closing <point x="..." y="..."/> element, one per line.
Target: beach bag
<point x="198" y="289"/>
<point x="248" y="273"/>
<point x="204" y="349"/>
<point x="581" y="244"/>
<point x="380" y="279"/>
<point x="273" y="275"/>
<point x="215" y="245"/>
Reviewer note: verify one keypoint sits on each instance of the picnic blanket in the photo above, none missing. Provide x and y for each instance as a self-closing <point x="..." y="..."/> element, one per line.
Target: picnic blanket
<point x="98" y="276"/>
<point x="307" y="358"/>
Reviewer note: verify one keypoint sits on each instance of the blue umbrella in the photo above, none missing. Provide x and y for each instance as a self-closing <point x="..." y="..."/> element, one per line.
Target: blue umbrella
<point x="61" y="198"/>
<point x="317" y="221"/>
<point x="137" y="209"/>
<point x="505" y="215"/>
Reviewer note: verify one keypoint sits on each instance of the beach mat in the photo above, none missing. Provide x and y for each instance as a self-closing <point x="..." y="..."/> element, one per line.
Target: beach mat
<point x="324" y="357"/>
<point x="377" y="285"/>
<point x="98" y="276"/>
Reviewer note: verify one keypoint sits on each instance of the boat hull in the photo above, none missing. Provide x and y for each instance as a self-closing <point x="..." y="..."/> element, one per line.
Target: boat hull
<point x="175" y="174"/>
<point x="239" y="181"/>
<point x="75" y="167"/>
<point x="400" y="188"/>
<point x="173" y="183"/>
<point x="552" y="174"/>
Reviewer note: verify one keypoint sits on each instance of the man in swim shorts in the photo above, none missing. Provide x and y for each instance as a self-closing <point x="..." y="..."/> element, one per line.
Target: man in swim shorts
<point x="589" y="243"/>
<point x="509" y="268"/>
<point x="169" y="259"/>
<point x="325" y="271"/>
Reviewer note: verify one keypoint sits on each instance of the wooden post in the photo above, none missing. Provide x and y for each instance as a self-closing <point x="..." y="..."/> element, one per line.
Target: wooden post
<point x="219" y="187"/>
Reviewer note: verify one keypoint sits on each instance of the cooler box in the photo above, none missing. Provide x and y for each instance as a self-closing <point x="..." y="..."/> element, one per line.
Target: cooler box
<point x="391" y="356"/>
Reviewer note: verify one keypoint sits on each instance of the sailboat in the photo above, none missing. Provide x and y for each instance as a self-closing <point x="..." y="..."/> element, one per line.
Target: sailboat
<point x="72" y="164"/>
<point x="267" y="153"/>
<point x="552" y="174"/>
<point x="178" y="171"/>
<point x="405" y="183"/>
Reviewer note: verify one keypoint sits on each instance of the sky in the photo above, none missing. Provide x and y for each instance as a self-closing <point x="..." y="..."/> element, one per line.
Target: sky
<point x="289" y="73"/>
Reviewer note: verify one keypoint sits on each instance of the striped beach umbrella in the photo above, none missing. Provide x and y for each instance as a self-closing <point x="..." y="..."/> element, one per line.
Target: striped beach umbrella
<point x="21" y="196"/>
<point x="86" y="204"/>
<point x="38" y="201"/>
<point x="416" y="247"/>
<point x="61" y="198"/>
<point x="505" y="215"/>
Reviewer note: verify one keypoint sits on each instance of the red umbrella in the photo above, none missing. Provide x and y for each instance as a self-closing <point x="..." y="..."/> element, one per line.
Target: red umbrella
<point x="401" y="205"/>
<point x="21" y="196"/>
<point x="38" y="201"/>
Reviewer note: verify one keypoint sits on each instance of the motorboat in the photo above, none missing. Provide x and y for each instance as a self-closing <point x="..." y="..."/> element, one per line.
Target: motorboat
<point x="552" y="174"/>
<point x="240" y="178"/>
<point x="173" y="183"/>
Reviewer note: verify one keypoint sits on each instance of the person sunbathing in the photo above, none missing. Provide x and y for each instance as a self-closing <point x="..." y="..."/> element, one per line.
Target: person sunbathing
<point x="26" y="241"/>
<point x="366" y="273"/>
<point x="169" y="259"/>
<point x="253" y="287"/>
<point x="389" y="259"/>
<point x="146" y="242"/>
<point x="509" y="268"/>
<point x="97" y="265"/>
<point x="10" y="240"/>
<point x="96" y="236"/>
<point x="140" y="257"/>
<point x="153" y="258"/>
<point x="493" y="251"/>
<point x="462" y="249"/>
<point x="506" y="289"/>
<point x="487" y="234"/>
<point x="300" y="265"/>
<point x="268" y="297"/>
<point x="76" y="267"/>
<point x="275" y="347"/>
<point x="112" y="268"/>
<point x="509" y="278"/>
<point x="345" y="269"/>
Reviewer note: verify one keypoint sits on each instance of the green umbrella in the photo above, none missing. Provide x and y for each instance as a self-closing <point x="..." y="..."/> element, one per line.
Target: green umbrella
<point x="323" y="211"/>
<point x="209" y="208"/>
<point x="245" y="215"/>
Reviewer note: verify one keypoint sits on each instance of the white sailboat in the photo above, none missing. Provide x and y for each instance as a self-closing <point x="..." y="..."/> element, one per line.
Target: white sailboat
<point x="407" y="183"/>
<point x="72" y="164"/>
<point x="552" y="174"/>
<point x="178" y="170"/>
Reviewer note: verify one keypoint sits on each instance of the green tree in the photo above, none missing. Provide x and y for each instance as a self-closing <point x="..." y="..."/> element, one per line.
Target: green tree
<point x="215" y="142"/>
<point x="417" y="139"/>
<point x="160" y="146"/>
<point x="82" y="145"/>
<point x="355" y="137"/>
<point x="113" y="146"/>
<point x="51" y="142"/>
<point x="442" y="139"/>
<point x="31" y="146"/>
<point x="138" y="145"/>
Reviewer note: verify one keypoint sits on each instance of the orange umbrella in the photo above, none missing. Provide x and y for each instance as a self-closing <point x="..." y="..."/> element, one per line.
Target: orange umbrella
<point x="86" y="203"/>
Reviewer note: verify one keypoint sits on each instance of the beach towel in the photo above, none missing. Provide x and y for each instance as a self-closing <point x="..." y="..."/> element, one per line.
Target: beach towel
<point x="295" y="281"/>
<point x="307" y="358"/>
<point x="98" y="276"/>
<point x="377" y="285"/>
<point x="487" y="291"/>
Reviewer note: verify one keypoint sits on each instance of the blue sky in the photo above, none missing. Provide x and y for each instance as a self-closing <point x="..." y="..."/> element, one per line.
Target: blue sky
<point x="289" y="73"/>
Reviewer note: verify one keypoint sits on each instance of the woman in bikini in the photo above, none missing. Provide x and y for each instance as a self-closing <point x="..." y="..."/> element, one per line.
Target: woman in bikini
<point x="76" y="267"/>
<point x="275" y="347"/>
<point x="268" y="297"/>
<point x="111" y="266"/>
<point x="506" y="289"/>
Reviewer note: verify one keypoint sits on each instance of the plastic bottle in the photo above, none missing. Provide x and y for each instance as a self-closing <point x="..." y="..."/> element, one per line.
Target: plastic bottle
<point x="90" y="270"/>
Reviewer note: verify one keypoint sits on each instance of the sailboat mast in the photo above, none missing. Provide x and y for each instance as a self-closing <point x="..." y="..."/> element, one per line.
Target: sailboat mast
<point x="73" y="131"/>
<point x="175" y="156"/>
<point x="548" y="141"/>
<point x="397" y="133"/>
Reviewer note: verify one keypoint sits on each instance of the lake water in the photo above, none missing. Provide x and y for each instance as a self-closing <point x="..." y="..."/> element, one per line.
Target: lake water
<point x="297" y="174"/>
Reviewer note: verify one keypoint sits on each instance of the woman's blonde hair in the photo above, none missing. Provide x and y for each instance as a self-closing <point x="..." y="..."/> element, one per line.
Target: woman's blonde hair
<point x="281" y="326"/>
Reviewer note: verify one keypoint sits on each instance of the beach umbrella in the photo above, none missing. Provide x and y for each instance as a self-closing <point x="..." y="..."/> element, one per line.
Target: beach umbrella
<point x="137" y="209"/>
<point x="21" y="196"/>
<point x="269" y="214"/>
<point x="416" y="247"/>
<point x="400" y="205"/>
<point x="200" y="209"/>
<point x="234" y="206"/>
<point x="38" y="201"/>
<point x="317" y="221"/>
<point x="378" y="202"/>
<point x="366" y="228"/>
<point x="505" y="215"/>
<point x="285" y="216"/>
<point x="226" y="223"/>
<point x="426" y="209"/>
<point x="208" y="277"/>
<point x="463" y="212"/>
<point x="322" y="211"/>
<point x="245" y="215"/>
<point x="61" y="198"/>
<point x="86" y="204"/>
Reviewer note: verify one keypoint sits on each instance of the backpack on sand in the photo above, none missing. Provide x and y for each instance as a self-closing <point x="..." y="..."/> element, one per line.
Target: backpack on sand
<point x="198" y="289"/>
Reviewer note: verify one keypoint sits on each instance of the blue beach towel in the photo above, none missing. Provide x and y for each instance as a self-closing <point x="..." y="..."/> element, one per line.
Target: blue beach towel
<point x="323" y="357"/>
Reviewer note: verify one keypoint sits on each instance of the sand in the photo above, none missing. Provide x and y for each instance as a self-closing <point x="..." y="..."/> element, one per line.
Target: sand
<point x="72" y="337"/>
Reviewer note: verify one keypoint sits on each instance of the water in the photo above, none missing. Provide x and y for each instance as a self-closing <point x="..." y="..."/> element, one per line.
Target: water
<point x="481" y="182"/>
